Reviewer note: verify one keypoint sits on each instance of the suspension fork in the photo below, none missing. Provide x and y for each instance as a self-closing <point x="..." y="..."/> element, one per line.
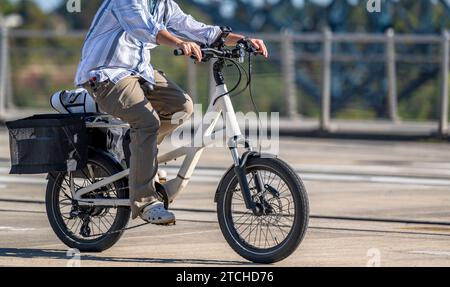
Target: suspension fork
<point x="240" y="171"/>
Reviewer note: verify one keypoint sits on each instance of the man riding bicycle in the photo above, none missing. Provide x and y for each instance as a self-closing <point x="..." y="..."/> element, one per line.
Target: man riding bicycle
<point x="115" y="68"/>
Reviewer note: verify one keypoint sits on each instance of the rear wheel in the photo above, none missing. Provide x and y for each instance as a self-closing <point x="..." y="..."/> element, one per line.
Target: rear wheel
<point x="274" y="233"/>
<point x="89" y="229"/>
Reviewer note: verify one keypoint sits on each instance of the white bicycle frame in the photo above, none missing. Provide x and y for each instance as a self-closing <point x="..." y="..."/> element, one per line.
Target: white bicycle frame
<point x="219" y="106"/>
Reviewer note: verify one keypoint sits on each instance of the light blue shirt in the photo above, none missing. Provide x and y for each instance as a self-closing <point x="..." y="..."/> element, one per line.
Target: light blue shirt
<point x="123" y="32"/>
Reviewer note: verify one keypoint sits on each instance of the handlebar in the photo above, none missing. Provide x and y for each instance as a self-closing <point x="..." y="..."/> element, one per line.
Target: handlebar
<point x="237" y="52"/>
<point x="205" y="52"/>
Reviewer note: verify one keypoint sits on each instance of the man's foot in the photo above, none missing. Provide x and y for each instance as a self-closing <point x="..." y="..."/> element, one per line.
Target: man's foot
<point x="155" y="213"/>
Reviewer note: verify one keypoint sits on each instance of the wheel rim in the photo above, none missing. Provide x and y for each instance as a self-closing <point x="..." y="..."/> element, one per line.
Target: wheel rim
<point x="86" y="224"/>
<point x="268" y="232"/>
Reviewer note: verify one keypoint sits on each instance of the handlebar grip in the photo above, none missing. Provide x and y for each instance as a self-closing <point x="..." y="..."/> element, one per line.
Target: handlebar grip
<point x="178" y="52"/>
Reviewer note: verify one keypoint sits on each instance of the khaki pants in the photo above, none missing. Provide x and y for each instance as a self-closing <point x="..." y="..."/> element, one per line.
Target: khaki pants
<point x="151" y="115"/>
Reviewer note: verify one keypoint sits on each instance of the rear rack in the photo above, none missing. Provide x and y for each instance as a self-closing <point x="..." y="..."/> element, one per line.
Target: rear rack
<point x="104" y="121"/>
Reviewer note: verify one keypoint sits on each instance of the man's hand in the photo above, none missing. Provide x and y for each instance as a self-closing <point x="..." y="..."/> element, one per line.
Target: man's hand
<point x="191" y="48"/>
<point x="260" y="46"/>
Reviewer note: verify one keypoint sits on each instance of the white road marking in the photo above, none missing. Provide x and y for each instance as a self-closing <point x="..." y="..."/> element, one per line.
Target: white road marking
<point x="207" y="175"/>
<point x="4" y="169"/>
<point x="434" y="253"/>
<point x="9" y="228"/>
<point x="375" y="179"/>
<point x="214" y="175"/>
<point x="22" y="179"/>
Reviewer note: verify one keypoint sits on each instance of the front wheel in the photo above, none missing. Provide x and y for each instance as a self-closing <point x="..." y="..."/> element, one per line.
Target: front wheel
<point x="274" y="234"/>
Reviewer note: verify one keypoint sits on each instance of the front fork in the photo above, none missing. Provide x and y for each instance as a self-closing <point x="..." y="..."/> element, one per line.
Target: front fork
<point x="236" y="140"/>
<point x="240" y="171"/>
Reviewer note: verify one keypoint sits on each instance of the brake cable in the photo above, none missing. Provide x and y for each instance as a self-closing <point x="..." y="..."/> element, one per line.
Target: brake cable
<point x="252" y="98"/>
<point x="239" y="66"/>
<point x="237" y="84"/>
<point x="248" y="86"/>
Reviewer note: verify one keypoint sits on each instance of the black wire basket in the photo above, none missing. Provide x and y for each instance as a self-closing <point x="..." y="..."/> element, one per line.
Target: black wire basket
<point x="48" y="143"/>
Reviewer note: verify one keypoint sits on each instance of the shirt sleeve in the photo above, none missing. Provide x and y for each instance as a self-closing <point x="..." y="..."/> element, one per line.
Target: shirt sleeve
<point x="135" y="18"/>
<point x="185" y="26"/>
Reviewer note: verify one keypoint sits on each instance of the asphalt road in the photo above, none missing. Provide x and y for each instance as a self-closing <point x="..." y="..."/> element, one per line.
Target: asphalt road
<point x="372" y="203"/>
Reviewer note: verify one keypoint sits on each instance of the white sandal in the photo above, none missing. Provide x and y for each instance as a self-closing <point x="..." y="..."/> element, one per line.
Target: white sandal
<point x="155" y="213"/>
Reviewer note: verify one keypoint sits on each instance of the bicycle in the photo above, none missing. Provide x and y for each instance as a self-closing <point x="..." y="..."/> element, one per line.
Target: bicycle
<point x="259" y="194"/>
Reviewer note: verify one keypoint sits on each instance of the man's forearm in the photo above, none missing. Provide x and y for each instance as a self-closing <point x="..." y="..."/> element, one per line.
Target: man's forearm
<point x="165" y="38"/>
<point x="233" y="39"/>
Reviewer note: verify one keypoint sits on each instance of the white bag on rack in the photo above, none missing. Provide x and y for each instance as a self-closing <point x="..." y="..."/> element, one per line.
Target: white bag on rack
<point x="77" y="101"/>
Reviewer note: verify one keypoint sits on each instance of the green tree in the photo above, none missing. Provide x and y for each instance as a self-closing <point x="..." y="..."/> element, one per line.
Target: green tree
<point x="6" y="7"/>
<point x="33" y="17"/>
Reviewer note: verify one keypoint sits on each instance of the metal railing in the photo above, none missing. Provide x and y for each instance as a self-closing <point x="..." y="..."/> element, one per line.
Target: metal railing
<point x="389" y="39"/>
<point x="288" y="59"/>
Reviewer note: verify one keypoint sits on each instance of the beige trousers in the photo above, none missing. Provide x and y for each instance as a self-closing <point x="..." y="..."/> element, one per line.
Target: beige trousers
<point x="152" y="116"/>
